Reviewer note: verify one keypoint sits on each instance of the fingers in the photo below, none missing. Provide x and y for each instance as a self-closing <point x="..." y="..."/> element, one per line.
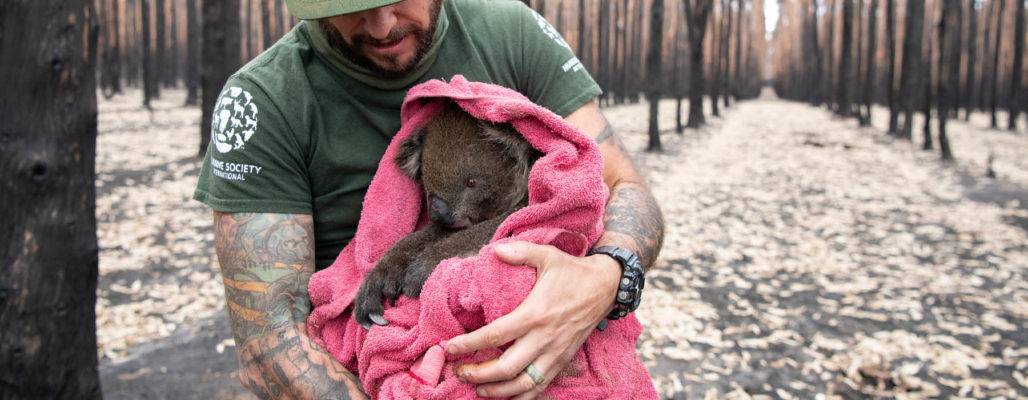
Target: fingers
<point x="525" y="253"/>
<point x="494" y="335"/>
<point x="521" y="384"/>
<point x="511" y="363"/>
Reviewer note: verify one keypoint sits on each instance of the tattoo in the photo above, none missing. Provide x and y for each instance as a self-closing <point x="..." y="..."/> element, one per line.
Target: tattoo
<point x="634" y="218"/>
<point x="607" y="133"/>
<point x="266" y="263"/>
<point x="286" y="364"/>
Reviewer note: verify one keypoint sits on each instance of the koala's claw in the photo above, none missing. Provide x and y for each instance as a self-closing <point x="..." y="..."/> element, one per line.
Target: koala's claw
<point x="378" y="319"/>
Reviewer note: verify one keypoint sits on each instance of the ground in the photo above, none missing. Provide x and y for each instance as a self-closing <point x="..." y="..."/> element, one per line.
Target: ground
<point x="805" y="257"/>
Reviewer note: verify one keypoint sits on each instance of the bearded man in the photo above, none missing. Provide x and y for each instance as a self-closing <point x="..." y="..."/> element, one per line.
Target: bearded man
<point x="298" y="134"/>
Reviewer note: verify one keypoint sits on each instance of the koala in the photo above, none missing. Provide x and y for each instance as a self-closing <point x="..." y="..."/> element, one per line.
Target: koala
<point x="474" y="174"/>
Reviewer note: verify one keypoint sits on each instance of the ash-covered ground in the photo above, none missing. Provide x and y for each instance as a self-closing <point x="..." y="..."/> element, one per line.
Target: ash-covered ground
<point x="805" y="257"/>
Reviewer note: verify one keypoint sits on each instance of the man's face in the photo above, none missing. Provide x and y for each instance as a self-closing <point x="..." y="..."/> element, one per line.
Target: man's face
<point x="388" y="40"/>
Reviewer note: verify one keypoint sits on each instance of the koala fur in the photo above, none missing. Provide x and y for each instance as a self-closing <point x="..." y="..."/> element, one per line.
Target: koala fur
<point x="474" y="174"/>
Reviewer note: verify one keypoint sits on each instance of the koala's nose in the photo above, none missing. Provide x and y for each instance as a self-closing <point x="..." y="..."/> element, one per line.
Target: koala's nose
<point x="439" y="211"/>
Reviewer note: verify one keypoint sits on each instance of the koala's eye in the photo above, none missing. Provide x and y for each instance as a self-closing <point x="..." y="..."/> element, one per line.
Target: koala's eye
<point x="471" y="182"/>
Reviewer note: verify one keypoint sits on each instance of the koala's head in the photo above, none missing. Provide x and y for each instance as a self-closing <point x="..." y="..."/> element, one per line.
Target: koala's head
<point x="470" y="170"/>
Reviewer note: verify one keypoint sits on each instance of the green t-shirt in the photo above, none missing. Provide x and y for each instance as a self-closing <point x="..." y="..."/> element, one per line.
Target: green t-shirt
<point x="301" y="130"/>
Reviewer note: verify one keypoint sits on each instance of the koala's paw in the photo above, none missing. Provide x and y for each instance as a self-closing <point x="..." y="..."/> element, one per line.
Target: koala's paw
<point x="417" y="274"/>
<point x="382" y="283"/>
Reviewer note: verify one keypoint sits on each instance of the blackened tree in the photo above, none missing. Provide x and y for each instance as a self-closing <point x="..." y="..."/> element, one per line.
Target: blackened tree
<point x="653" y="62"/>
<point x="1016" y="94"/>
<point x="697" y="14"/>
<point x="909" y="73"/>
<point x="221" y="57"/>
<point x="47" y="175"/>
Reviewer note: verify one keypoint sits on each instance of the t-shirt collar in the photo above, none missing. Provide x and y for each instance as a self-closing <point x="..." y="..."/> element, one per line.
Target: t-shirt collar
<point x="364" y="75"/>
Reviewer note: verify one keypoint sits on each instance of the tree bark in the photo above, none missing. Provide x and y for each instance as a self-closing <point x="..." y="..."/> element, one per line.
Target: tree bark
<point x="829" y="87"/>
<point x="983" y="75"/>
<point x="726" y="46"/>
<point x="150" y="87"/>
<point x="697" y="15"/>
<point x="890" y="80"/>
<point x="654" y="73"/>
<point x="843" y="96"/>
<point x="926" y="104"/>
<point x="715" y="88"/>
<point x="221" y="57"/>
<point x="972" y="64"/>
<point x="266" y="25"/>
<point x="909" y="81"/>
<point x="161" y="65"/>
<point x="1016" y="95"/>
<point x="48" y="128"/>
<point x="192" y="77"/>
<point x="583" y="50"/>
<point x="944" y="100"/>
<point x="869" y="74"/>
<point x="994" y="101"/>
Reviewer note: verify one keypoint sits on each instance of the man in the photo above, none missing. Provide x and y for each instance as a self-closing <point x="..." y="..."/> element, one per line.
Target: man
<point x="298" y="133"/>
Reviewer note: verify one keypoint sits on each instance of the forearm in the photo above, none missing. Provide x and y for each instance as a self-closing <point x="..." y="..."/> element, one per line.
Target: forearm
<point x="266" y="263"/>
<point x="632" y="218"/>
<point x="633" y="221"/>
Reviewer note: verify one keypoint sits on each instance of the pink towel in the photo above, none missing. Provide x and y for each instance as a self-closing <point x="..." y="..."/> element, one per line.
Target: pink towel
<point x="405" y="359"/>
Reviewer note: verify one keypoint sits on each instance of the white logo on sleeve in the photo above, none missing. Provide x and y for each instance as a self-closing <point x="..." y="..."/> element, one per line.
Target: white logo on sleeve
<point x="234" y="120"/>
<point x="572" y="64"/>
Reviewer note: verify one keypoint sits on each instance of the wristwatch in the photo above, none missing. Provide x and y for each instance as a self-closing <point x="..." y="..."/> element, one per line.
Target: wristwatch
<point x="631" y="284"/>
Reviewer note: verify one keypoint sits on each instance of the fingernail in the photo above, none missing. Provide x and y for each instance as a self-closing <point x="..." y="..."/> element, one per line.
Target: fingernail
<point x="481" y="393"/>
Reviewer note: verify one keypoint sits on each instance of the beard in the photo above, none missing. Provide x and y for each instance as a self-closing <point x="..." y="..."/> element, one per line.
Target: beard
<point x="356" y="51"/>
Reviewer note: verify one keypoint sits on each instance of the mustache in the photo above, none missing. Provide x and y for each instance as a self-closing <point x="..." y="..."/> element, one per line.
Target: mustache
<point x="362" y="40"/>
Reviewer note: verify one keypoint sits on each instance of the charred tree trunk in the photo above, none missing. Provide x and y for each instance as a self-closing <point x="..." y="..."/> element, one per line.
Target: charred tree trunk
<point x="953" y="52"/>
<point x="994" y="101"/>
<point x="220" y="57"/>
<point x="843" y="96"/>
<point x="726" y="46"/>
<point x="814" y="90"/>
<point x="859" y="54"/>
<point x="47" y="174"/>
<point x="697" y="15"/>
<point x="654" y="73"/>
<point x="983" y="75"/>
<point x="890" y="80"/>
<point x="192" y="53"/>
<point x="174" y="65"/>
<point x="972" y="64"/>
<point x="150" y="86"/>
<point x="737" y="76"/>
<point x="926" y="104"/>
<point x="604" y="47"/>
<point x="583" y="53"/>
<point x="637" y="52"/>
<point x="160" y="55"/>
<point x="909" y="81"/>
<point x="953" y="91"/>
<point x="266" y="24"/>
<point x="715" y="86"/>
<point x="869" y="75"/>
<point x="829" y="87"/>
<point x="1016" y="95"/>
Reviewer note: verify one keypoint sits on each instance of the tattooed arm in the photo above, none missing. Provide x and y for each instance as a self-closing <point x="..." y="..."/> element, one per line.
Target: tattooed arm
<point x="571" y="294"/>
<point x="266" y="261"/>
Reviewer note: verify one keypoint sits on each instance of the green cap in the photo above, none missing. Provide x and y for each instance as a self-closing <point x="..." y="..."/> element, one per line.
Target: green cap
<point x="315" y="9"/>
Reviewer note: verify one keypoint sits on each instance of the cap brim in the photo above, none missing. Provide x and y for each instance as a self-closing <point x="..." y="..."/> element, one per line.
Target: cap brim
<point x="316" y="9"/>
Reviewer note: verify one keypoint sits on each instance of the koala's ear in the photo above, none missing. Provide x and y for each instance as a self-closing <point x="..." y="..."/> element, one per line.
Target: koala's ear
<point x="408" y="158"/>
<point x="515" y="145"/>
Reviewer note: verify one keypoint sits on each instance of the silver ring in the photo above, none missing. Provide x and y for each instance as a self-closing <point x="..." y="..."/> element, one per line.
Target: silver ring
<point x="534" y="373"/>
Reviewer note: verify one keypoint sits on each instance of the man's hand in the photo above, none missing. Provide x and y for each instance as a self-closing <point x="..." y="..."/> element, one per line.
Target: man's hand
<point x="546" y="333"/>
<point x="266" y="262"/>
<point x="571" y="294"/>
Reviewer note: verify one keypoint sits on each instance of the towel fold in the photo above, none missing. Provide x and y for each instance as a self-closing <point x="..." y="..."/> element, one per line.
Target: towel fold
<point x="406" y="359"/>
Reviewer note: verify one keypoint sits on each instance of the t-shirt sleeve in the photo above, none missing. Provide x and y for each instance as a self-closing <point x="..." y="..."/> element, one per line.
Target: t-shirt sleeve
<point x="550" y="74"/>
<point x="253" y="162"/>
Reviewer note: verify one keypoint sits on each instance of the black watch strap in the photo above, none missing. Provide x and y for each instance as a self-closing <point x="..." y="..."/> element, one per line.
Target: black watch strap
<point x="632" y="280"/>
